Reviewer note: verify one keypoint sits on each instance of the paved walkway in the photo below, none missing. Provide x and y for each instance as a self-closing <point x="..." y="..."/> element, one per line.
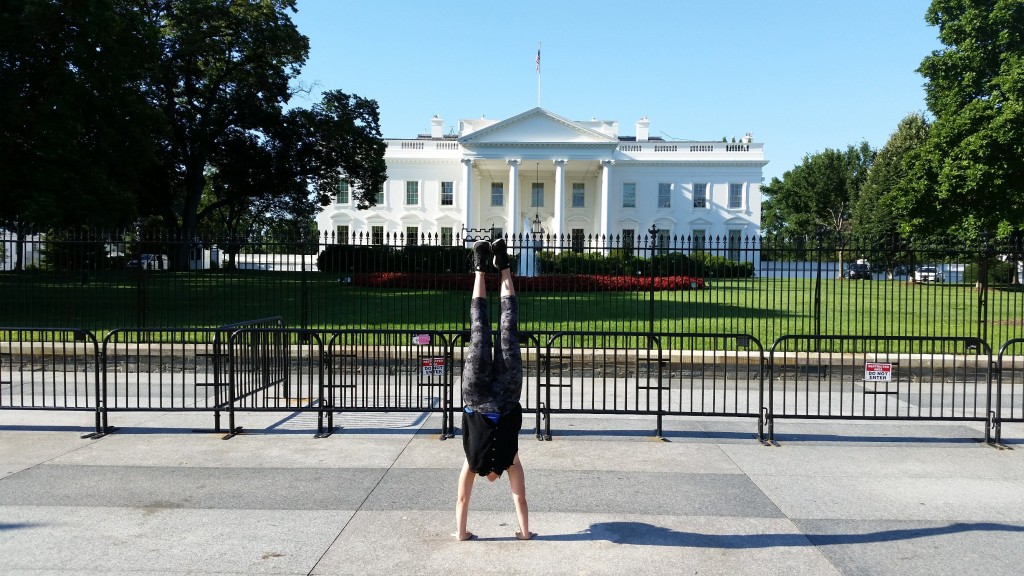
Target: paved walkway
<point x="378" y="498"/>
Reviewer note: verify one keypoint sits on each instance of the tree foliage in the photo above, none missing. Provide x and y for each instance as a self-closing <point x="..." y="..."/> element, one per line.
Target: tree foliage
<point x="818" y="194"/>
<point x="969" y="175"/>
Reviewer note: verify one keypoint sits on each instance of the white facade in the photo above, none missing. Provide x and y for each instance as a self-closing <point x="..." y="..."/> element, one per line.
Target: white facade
<point x="580" y="179"/>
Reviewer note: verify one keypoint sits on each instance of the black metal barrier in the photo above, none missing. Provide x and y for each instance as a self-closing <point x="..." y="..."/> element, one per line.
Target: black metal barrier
<point x="169" y="369"/>
<point x="50" y="369"/>
<point x="880" y="378"/>
<point x="660" y="374"/>
<point x="254" y="366"/>
<point x="1010" y="387"/>
<point x="391" y="371"/>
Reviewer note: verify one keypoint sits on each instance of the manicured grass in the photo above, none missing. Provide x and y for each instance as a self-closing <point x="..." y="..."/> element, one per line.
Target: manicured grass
<point x="764" y="308"/>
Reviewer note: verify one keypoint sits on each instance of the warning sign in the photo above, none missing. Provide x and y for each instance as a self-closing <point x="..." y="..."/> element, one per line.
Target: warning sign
<point x="877" y="372"/>
<point x="432" y="366"/>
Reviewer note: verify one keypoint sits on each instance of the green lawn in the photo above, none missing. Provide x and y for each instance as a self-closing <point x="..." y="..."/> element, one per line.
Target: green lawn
<point x="764" y="308"/>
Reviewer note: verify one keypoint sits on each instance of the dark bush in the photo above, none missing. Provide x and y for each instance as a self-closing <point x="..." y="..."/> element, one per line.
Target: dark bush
<point x="999" y="273"/>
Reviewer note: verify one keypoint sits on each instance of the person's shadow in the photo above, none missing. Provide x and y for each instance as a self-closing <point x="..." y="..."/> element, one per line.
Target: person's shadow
<point x="640" y="533"/>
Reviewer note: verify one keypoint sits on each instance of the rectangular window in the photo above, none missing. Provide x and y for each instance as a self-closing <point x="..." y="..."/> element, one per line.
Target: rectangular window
<point x="578" y="198"/>
<point x="700" y="195"/>
<point x="497" y="233"/>
<point x="664" y="241"/>
<point x="698" y="240"/>
<point x="497" y="194"/>
<point x="628" y="241"/>
<point x="446" y="236"/>
<point x="342" y="236"/>
<point x="412" y="193"/>
<point x="343" y="192"/>
<point x="735" y="242"/>
<point x="412" y="234"/>
<point x="664" y="195"/>
<point x="629" y="195"/>
<point x="379" y="198"/>
<point x="735" y="195"/>
<point x="537" y="200"/>
<point x="377" y="235"/>
<point x="577" y="239"/>
<point x="447" y="193"/>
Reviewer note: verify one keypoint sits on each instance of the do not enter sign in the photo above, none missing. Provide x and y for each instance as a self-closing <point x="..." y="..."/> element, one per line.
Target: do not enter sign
<point x="877" y="372"/>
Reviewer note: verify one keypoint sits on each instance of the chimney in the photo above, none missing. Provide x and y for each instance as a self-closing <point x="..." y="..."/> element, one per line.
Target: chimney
<point x="643" y="129"/>
<point x="436" y="127"/>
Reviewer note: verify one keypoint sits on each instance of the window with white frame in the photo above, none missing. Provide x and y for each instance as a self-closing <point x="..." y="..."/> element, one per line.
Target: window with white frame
<point x="412" y="193"/>
<point x="379" y="197"/>
<point x="664" y="241"/>
<point x="412" y="235"/>
<point x="700" y="195"/>
<point x="735" y="244"/>
<point x="537" y="198"/>
<point x="342" y="234"/>
<point x="497" y="194"/>
<point x="578" y="197"/>
<point x="447" y="193"/>
<point x="735" y="196"/>
<point x="697" y="240"/>
<point x="577" y="240"/>
<point x="628" y="241"/>
<point x="497" y="233"/>
<point x="377" y="235"/>
<point x="629" y="195"/>
<point x="343" y="192"/>
<point x="446" y="235"/>
<point x="664" y="195"/>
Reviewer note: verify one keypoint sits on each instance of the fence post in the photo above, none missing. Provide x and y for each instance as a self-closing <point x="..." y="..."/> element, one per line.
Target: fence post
<point x="653" y="231"/>
<point x="817" y="286"/>
<point x="986" y="253"/>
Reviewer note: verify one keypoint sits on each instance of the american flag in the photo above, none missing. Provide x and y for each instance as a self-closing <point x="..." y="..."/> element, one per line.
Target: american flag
<point x="538" y="60"/>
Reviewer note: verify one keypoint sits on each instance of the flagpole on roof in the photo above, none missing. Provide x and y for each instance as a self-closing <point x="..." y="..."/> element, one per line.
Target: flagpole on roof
<point x="538" y="74"/>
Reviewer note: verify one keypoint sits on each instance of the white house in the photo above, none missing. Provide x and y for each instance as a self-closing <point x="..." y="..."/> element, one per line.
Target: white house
<point x="574" y="179"/>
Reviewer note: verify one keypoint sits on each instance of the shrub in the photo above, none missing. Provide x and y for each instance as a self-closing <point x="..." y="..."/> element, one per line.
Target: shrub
<point x="999" y="272"/>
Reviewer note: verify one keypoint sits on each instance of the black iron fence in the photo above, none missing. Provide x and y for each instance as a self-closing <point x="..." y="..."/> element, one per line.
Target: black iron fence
<point x="657" y="283"/>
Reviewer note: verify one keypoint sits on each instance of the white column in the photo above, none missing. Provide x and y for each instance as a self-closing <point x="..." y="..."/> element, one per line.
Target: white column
<point x="513" y="197"/>
<point x="467" y="194"/>
<point x="559" y="199"/>
<point x="606" y="217"/>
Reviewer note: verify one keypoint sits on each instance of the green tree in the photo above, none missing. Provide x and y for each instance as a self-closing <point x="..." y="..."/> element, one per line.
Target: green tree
<point x="969" y="176"/>
<point x="819" y="194"/>
<point x="874" y="216"/>
<point x="76" y="133"/>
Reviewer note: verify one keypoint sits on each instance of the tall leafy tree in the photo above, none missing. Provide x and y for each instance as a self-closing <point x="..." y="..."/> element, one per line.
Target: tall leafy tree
<point x="876" y="217"/>
<point x="818" y="194"/>
<point x="76" y="133"/>
<point x="969" y="176"/>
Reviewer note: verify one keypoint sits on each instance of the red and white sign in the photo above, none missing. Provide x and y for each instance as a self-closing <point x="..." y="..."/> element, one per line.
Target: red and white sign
<point x="432" y="366"/>
<point x="877" y="372"/>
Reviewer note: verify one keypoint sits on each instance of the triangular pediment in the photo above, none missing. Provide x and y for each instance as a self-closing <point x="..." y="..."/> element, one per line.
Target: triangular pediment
<point x="536" y="126"/>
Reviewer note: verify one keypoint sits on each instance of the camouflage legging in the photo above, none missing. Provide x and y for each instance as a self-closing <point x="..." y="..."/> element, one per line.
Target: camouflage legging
<point x="493" y="380"/>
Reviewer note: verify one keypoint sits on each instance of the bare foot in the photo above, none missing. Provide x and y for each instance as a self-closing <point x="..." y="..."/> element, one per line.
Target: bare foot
<point x="527" y="536"/>
<point x="468" y="536"/>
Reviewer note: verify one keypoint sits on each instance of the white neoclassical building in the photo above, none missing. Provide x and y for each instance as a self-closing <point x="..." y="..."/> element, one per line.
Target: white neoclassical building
<point x="572" y="179"/>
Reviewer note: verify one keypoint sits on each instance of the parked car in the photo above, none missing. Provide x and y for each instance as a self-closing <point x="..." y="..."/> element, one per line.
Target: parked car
<point x="858" y="270"/>
<point x="150" y="262"/>
<point x="928" y="274"/>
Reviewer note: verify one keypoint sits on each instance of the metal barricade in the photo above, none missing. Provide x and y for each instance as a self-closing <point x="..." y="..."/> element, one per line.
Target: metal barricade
<point x="390" y="371"/>
<point x="880" y="378"/>
<point x="50" y="369"/>
<point x="1010" y="385"/>
<point x="275" y="370"/>
<point x="659" y="374"/>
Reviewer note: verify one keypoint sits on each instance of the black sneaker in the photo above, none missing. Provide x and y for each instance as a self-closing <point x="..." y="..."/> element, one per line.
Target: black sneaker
<point x="481" y="256"/>
<point x="500" y="251"/>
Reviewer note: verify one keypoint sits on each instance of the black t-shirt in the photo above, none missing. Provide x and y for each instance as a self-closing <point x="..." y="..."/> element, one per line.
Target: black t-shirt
<point x="491" y="447"/>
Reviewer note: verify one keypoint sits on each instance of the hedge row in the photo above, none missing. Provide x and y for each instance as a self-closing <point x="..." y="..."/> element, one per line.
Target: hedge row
<point x="546" y="283"/>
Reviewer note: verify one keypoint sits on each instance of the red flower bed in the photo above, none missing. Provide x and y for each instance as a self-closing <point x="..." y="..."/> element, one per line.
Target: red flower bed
<point x="547" y="283"/>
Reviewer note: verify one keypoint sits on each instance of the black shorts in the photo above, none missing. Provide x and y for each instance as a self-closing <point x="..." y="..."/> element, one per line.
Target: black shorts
<point x="491" y="447"/>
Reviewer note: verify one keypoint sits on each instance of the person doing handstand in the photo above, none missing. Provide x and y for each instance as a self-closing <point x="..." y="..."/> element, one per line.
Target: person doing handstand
<point x="492" y="382"/>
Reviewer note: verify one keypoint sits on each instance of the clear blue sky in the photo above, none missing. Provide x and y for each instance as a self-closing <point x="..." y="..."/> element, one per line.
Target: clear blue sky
<point x="801" y="75"/>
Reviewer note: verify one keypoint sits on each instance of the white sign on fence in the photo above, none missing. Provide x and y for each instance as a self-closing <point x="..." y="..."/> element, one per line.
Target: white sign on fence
<point x="877" y="372"/>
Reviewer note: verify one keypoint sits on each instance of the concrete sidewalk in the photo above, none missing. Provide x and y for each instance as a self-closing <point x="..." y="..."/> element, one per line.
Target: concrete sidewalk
<point x="378" y="497"/>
